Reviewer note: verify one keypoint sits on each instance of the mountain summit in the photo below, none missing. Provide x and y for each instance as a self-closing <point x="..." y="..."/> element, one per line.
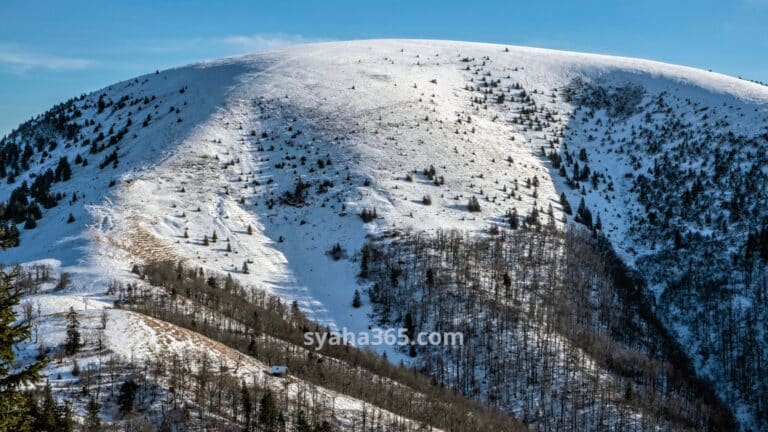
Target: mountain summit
<point x="612" y="209"/>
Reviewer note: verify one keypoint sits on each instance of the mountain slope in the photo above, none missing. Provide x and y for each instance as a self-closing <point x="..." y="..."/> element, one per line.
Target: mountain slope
<point x="296" y="143"/>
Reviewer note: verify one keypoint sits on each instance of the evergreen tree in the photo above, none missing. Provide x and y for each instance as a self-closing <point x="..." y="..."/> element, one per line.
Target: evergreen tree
<point x="63" y="170"/>
<point x="73" y="333"/>
<point x="533" y="217"/>
<point x="473" y="205"/>
<point x="9" y="235"/>
<point x="268" y="411"/>
<point x="565" y="204"/>
<point x="364" y="257"/>
<point x="679" y="244"/>
<point x="583" y="215"/>
<point x="356" y="302"/>
<point x="50" y="411"/>
<point x="323" y="426"/>
<point x="127" y="396"/>
<point x="410" y="326"/>
<point x="583" y="155"/>
<point x="13" y="405"/>
<point x="30" y="223"/>
<point x="92" y="420"/>
<point x="302" y="425"/>
<point x="514" y="221"/>
<point x="51" y="416"/>
<point x="245" y="401"/>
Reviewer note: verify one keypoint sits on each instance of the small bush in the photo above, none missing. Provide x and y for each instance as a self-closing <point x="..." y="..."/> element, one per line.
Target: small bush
<point x="473" y="205"/>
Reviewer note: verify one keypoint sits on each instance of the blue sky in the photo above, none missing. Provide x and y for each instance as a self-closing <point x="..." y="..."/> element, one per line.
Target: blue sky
<point x="52" y="50"/>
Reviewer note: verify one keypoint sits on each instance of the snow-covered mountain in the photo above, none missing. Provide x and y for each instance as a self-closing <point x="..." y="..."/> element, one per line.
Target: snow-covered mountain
<point x="254" y="167"/>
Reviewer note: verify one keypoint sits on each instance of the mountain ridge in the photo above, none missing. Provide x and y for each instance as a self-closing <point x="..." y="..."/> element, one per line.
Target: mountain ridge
<point x="398" y="120"/>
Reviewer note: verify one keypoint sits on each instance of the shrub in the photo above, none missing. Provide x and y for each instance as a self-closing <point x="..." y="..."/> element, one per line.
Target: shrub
<point x="473" y="205"/>
<point x="336" y="252"/>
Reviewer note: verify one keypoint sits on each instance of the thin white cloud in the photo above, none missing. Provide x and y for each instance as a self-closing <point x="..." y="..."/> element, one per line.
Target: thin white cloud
<point x="230" y="44"/>
<point x="18" y="59"/>
<point x="22" y="60"/>
<point x="261" y="42"/>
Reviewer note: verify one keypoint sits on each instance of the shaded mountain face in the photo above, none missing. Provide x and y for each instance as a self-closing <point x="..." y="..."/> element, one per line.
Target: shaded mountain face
<point x="259" y="166"/>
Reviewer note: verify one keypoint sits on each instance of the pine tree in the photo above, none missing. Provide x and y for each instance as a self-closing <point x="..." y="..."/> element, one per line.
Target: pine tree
<point x="50" y="411"/>
<point x="473" y="205"/>
<point x="63" y="170"/>
<point x="678" y="240"/>
<point x="514" y="221"/>
<point x="9" y="236"/>
<point x="245" y="401"/>
<point x="92" y="420"/>
<point x="50" y="416"/>
<point x="364" y="257"/>
<point x="583" y="155"/>
<point x="13" y="405"/>
<point x="410" y="326"/>
<point x="126" y="396"/>
<point x="356" y="301"/>
<point x="533" y="217"/>
<point x="71" y="218"/>
<point x="565" y="204"/>
<point x="302" y="425"/>
<point x="268" y="411"/>
<point x="72" y="343"/>
<point x="583" y="215"/>
<point x="30" y="223"/>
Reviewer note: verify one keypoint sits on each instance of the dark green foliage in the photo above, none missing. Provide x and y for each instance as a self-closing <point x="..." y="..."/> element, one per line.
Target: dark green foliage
<point x="336" y="252"/>
<point x="12" y="403"/>
<point x="269" y="414"/>
<point x="127" y="396"/>
<point x="473" y="205"/>
<point x="63" y="170"/>
<point x="583" y="215"/>
<point x="565" y="204"/>
<point x="72" y="344"/>
<point x="368" y="215"/>
<point x="30" y="223"/>
<point x="356" y="301"/>
<point x="513" y="219"/>
<point x="92" y="421"/>
<point x="247" y="406"/>
<point x="111" y="158"/>
<point x="47" y="414"/>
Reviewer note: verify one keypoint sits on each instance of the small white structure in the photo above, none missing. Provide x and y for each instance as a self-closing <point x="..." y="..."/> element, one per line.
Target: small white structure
<point x="279" y="371"/>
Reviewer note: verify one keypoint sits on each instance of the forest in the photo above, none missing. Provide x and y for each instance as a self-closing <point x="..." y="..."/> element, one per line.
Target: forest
<point x="557" y="331"/>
